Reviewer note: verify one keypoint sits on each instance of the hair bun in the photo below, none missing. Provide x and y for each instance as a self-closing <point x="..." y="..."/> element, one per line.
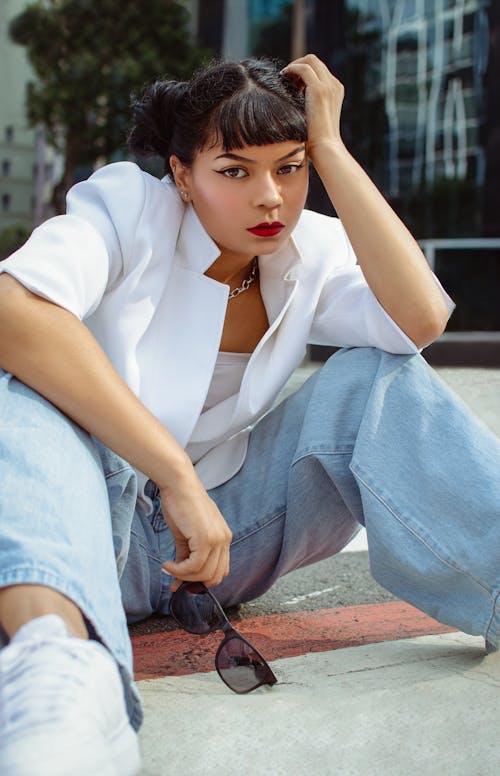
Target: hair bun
<point x="153" y="118"/>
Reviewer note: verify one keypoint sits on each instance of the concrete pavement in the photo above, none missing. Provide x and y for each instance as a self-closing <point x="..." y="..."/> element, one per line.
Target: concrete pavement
<point x="361" y="689"/>
<point x="423" y="706"/>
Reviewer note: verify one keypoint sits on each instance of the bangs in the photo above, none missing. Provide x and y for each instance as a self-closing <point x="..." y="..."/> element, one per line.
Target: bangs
<point x="255" y="117"/>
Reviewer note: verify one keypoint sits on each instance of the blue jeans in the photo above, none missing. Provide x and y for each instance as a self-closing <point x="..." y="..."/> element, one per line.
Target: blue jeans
<point x="371" y="438"/>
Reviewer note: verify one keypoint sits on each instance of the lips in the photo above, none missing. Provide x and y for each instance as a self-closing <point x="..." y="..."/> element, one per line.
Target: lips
<point x="267" y="230"/>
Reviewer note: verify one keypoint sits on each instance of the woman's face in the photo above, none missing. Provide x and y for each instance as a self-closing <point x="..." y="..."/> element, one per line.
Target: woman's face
<point x="249" y="200"/>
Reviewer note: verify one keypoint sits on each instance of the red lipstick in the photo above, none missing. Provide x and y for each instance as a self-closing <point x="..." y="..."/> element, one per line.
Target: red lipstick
<point x="267" y="230"/>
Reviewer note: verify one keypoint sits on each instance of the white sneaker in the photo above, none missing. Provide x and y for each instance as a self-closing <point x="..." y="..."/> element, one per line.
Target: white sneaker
<point x="62" y="710"/>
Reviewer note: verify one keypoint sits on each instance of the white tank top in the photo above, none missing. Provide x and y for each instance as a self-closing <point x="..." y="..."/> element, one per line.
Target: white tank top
<point x="226" y="378"/>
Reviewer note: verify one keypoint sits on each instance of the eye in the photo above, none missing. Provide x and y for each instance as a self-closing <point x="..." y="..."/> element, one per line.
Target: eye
<point x="233" y="172"/>
<point x="290" y="169"/>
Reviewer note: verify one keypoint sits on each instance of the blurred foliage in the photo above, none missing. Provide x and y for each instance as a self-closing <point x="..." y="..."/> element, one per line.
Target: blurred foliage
<point x="89" y="57"/>
<point x="11" y="239"/>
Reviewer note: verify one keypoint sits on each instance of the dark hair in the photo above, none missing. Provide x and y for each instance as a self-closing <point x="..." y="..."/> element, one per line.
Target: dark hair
<point x="231" y="103"/>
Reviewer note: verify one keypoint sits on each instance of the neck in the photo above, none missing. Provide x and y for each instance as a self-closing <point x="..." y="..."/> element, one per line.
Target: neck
<point x="229" y="270"/>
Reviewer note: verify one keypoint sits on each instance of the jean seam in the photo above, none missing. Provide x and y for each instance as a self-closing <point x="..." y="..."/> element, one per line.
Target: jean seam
<point x="259" y="528"/>
<point x="118" y="471"/>
<point x="320" y="452"/>
<point x="423" y="541"/>
<point x="147" y="549"/>
<point x="493" y="613"/>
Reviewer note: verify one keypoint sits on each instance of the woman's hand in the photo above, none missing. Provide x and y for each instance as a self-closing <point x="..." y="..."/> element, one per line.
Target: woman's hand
<point x="202" y="536"/>
<point x="324" y="95"/>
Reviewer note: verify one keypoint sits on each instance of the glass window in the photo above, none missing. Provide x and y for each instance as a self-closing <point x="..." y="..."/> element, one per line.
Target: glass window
<point x="449" y="29"/>
<point x="5" y="202"/>
<point x="5" y="167"/>
<point x="406" y="93"/>
<point x="408" y="43"/>
<point x="406" y="145"/>
<point x="405" y="173"/>
<point x="471" y="167"/>
<point x="407" y="118"/>
<point x="407" y="65"/>
<point x="472" y="135"/>
<point x="468" y="23"/>
<point x="9" y="133"/>
<point x="409" y="10"/>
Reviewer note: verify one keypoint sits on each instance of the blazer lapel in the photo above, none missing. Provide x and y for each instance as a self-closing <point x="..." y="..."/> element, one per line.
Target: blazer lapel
<point x="185" y="332"/>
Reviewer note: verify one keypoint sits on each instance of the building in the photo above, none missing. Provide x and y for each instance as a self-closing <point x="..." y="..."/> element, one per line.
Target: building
<point x="24" y="188"/>
<point x="427" y="65"/>
<point x="423" y="76"/>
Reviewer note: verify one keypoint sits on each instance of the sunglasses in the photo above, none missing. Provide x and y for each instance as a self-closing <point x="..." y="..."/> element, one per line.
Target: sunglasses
<point x="240" y="666"/>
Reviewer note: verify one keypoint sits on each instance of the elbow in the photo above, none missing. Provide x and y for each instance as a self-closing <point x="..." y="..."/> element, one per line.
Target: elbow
<point x="430" y="326"/>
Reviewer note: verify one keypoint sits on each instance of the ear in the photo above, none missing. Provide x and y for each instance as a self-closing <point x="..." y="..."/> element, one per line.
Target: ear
<point x="180" y="173"/>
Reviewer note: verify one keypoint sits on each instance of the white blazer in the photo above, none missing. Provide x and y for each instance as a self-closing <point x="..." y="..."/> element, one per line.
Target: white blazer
<point x="129" y="258"/>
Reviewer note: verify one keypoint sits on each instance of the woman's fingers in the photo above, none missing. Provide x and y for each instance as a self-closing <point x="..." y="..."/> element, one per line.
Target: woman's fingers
<point x="324" y="95"/>
<point x="309" y="69"/>
<point x="200" y="564"/>
<point x="200" y="568"/>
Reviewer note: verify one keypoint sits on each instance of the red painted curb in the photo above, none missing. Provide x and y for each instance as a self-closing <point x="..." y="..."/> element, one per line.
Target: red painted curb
<point x="176" y="653"/>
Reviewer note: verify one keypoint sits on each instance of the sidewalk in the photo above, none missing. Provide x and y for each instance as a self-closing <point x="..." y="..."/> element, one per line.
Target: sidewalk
<point x="373" y="690"/>
<point x="423" y="706"/>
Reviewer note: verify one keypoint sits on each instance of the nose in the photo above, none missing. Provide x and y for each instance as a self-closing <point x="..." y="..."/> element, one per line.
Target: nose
<point x="268" y="192"/>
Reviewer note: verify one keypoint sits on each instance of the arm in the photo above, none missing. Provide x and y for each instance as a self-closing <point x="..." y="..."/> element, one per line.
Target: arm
<point x="391" y="260"/>
<point x="50" y="350"/>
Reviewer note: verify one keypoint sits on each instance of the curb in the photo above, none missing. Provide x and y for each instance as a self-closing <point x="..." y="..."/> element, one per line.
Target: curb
<point x="177" y="653"/>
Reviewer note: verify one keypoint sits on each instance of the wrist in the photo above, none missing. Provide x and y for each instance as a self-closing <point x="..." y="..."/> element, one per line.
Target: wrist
<point x="326" y="150"/>
<point x="175" y="474"/>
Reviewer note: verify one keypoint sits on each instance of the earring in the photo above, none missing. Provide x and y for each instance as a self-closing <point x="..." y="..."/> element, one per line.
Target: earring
<point x="185" y="194"/>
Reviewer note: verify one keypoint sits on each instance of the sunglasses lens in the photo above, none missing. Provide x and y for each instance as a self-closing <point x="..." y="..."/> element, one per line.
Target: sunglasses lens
<point x="193" y="608"/>
<point x="241" y="667"/>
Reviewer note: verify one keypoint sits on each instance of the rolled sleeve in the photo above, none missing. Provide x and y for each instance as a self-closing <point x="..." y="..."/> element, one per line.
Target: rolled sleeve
<point x="72" y="259"/>
<point x="348" y="313"/>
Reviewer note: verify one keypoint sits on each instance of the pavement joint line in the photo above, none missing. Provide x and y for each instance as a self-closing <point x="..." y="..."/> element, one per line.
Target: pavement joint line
<point x="282" y="635"/>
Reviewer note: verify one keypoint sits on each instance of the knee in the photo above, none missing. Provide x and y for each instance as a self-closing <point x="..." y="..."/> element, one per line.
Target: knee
<point x="364" y="356"/>
<point x="365" y="363"/>
<point x="354" y="364"/>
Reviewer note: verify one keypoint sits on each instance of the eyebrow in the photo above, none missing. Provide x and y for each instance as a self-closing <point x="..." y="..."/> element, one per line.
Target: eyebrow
<point x="238" y="158"/>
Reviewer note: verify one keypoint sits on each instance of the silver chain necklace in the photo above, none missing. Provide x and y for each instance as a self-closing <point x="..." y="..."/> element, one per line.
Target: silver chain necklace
<point x="248" y="280"/>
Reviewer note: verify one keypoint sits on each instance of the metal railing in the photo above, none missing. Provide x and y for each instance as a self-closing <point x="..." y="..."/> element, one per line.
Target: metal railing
<point x="430" y="247"/>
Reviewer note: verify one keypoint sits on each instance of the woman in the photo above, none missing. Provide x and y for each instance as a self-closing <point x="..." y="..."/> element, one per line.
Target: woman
<point x="199" y="295"/>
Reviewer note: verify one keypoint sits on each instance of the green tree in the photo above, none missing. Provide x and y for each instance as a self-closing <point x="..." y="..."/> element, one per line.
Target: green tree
<point x="89" y="57"/>
<point x="11" y="239"/>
